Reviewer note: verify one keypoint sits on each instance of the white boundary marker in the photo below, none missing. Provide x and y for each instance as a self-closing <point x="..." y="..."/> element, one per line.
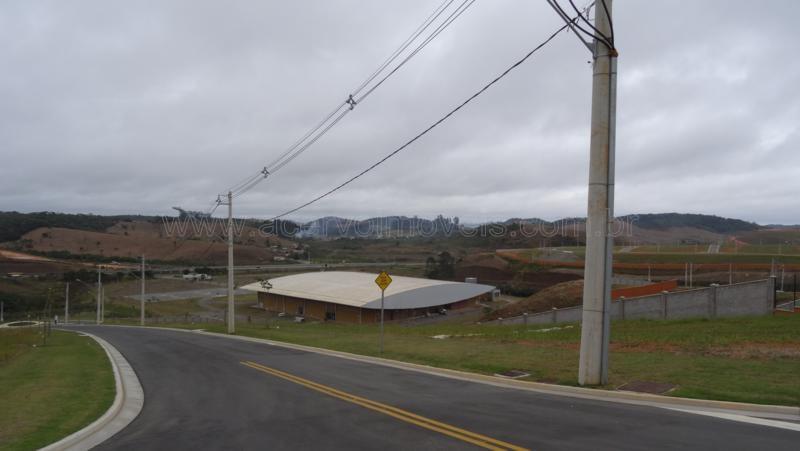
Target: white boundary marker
<point x="744" y="419"/>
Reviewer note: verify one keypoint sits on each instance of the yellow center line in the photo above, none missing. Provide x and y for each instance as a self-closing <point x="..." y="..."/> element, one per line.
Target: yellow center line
<point x="403" y="415"/>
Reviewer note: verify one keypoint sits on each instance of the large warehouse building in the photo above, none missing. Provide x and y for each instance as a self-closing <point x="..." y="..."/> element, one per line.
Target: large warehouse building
<point x="354" y="297"/>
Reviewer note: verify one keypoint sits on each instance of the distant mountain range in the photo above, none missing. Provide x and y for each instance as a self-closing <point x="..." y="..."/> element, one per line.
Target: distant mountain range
<point x="13" y="224"/>
<point x="390" y="226"/>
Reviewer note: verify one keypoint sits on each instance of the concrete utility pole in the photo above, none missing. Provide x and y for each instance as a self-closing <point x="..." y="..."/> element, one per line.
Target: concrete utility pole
<point x="99" y="285"/>
<point x="66" y="305"/>
<point x="141" y="298"/>
<point x="231" y="328"/>
<point x="595" y="328"/>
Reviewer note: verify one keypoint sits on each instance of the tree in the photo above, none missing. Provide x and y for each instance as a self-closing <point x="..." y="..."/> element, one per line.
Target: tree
<point x="441" y="267"/>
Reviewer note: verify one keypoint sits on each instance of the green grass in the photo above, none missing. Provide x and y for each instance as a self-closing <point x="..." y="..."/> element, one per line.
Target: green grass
<point x="754" y="360"/>
<point x="49" y="392"/>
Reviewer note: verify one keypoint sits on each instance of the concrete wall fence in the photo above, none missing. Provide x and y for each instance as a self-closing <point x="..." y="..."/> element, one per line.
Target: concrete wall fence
<point x="740" y="299"/>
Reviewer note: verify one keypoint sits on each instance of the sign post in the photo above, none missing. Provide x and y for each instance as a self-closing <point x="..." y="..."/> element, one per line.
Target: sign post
<point x="383" y="280"/>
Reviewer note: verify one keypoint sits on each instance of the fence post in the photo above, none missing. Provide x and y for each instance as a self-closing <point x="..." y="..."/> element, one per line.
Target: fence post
<point x="500" y="320"/>
<point x="772" y="288"/>
<point x="712" y="300"/>
<point x="622" y="306"/>
<point x="664" y="295"/>
<point x="555" y="315"/>
<point x="525" y="319"/>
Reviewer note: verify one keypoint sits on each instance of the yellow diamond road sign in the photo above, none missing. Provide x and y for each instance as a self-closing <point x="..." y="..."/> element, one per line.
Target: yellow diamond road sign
<point x="383" y="280"/>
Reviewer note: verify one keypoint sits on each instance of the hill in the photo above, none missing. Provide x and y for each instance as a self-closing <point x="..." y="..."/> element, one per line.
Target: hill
<point x="566" y="294"/>
<point x="696" y="227"/>
<point x="126" y="238"/>
<point x="711" y="223"/>
<point x="14" y="224"/>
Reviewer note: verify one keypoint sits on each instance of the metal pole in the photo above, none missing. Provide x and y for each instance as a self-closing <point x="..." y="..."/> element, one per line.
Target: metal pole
<point x="783" y="270"/>
<point x="141" y="298"/>
<point x="231" y="314"/>
<point x="99" y="284"/>
<point x="66" y="305"/>
<point x="382" y="321"/>
<point x="685" y="274"/>
<point x="2" y="310"/>
<point x="595" y="328"/>
<point x="730" y="273"/>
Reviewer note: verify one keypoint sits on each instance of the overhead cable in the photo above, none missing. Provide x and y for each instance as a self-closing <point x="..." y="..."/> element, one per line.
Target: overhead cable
<point x="343" y="108"/>
<point x="425" y="131"/>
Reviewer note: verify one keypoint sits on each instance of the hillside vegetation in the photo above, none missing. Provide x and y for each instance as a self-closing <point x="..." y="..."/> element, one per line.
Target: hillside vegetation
<point x="14" y="225"/>
<point x="711" y="223"/>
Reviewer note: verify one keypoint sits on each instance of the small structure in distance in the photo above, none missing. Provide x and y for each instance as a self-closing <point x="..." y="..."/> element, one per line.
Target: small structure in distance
<point x="190" y="214"/>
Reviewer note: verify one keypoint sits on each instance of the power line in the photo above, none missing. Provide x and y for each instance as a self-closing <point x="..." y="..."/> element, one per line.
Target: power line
<point x="436" y="13"/>
<point x="597" y="34"/>
<point x="291" y="155"/>
<point x="452" y="17"/>
<point x="424" y="132"/>
<point x="313" y="135"/>
<point x="307" y="135"/>
<point x="575" y="23"/>
<point x="610" y="23"/>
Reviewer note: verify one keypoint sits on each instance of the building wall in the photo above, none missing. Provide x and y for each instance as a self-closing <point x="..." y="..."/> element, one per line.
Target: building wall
<point x="312" y="309"/>
<point x="741" y="299"/>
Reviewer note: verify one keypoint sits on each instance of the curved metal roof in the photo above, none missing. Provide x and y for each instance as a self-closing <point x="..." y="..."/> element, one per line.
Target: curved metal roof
<point x="358" y="289"/>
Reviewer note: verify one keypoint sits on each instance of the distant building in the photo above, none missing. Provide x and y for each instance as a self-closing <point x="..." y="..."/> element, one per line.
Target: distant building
<point x="355" y="298"/>
<point x="189" y="214"/>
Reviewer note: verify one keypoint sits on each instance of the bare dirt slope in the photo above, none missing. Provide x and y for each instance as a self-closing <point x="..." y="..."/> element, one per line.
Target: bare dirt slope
<point x="566" y="294"/>
<point x="134" y="238"/>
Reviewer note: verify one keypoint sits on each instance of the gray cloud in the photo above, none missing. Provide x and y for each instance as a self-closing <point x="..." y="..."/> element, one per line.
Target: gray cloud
<point x="132" y="107"/>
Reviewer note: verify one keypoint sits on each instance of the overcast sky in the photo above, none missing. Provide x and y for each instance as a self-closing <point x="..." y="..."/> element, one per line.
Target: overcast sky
<point x="116" y="107"/>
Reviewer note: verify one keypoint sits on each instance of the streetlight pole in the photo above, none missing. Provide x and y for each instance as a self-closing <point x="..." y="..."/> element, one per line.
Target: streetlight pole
<point x="231" y="310"/>
<point x="141" y="298"/>
<point x="99" y="296"/>
<point x="66" y="305"/>
<point x="595" y="328"/>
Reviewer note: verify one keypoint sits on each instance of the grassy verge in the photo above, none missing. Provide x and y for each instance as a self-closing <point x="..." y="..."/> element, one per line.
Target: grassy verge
<point x="49" y="392"/>
<point x="754" y="360"/>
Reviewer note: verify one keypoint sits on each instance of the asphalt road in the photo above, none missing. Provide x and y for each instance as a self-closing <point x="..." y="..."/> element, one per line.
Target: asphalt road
<point x="199" y="395"/>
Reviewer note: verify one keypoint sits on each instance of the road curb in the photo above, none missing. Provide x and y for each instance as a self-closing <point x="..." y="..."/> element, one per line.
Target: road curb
<point x="686" y="404"/>
<point x="128" y="402"/>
